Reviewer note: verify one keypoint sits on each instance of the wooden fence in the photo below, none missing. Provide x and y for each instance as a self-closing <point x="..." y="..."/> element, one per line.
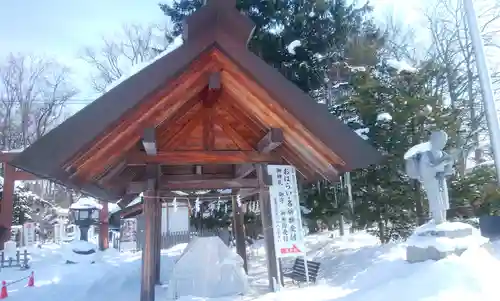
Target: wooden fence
<point x="171" y="239"/>
<point x="21" y="260"/>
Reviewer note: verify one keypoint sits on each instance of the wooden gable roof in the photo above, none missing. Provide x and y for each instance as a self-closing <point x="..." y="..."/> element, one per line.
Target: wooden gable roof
<point x="173" y="96"/>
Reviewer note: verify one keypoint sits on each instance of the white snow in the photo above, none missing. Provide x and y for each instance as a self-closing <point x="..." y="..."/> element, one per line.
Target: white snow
<point x="384" y="117"/>
<point x="355" y="267"/>
<point x="291" y="47"/>
<point x="401" y="66"/>
<point x="445" y="244"/>
<point x="86" y="203"/>
<point x="70" y="249"/>
<point x="362" y="133"/>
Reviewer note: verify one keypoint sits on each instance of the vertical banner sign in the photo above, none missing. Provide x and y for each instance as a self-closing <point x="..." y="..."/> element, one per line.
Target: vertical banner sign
<point x="128" y="234"/>
<point x="285" y="210"/>
<point x="29" y="234"/>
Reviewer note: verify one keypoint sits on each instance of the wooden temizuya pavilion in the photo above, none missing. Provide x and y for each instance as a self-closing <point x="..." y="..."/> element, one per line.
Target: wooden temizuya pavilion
<point x="209" y="115"/>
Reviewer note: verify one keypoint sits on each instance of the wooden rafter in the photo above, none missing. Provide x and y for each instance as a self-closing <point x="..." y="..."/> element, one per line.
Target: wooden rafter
<point x="194" y="121"/>
<point x="125" y="135"/>
<point x="113" y="172"/>
<point x="240" y="141"/>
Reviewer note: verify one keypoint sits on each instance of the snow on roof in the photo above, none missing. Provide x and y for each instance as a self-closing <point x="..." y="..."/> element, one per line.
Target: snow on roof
<point x="86" y="203"/>
<point x="177" y="42"/>
<point x="16" y="150"/>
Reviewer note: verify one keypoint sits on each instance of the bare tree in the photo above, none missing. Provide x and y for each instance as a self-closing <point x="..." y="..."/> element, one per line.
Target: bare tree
<point x="33" y="94"/>
<point x="452" y="50"/>
<point x="135" y="44"/>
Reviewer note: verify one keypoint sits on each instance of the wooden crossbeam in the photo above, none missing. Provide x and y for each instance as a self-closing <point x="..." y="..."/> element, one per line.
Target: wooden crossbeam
<point x="243" y="170"/>
<point x="138" y="187"/>
<point x="201" y="157"/>
<point x="272" y="140"/>
<point x="149" y="141"/>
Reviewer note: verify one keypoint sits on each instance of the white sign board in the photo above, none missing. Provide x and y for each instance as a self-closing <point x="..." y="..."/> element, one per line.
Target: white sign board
<point x="285" y="210"/>
<point x="128" y="234"/>
<point x="29" y="234"/>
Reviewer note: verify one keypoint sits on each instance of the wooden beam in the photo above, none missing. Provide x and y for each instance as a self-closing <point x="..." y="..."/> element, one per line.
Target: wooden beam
<point x="113" y="172"/>
<point x="267" y="225"/>
<point x="24" y="176"/>
<point x="268" y="143"/>
<point x="243" y="170"/>
<point x="149" y="141"/>
<point x="273" y="139"/>
<point x="201" y="157"/>
<point x="138" y="187"/>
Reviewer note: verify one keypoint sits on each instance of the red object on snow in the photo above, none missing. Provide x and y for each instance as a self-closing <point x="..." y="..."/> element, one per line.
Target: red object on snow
<point x="3" y="292"/>
<point x="31" y="280"/>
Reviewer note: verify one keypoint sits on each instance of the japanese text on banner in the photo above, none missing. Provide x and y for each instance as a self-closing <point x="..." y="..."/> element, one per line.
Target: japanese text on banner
<point x="285" y="207"/>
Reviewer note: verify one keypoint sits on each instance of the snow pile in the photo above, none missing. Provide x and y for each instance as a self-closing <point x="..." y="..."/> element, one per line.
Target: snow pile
<point x="468" y="277"/>
<point x="446" y="244"/>
<point x="79" y="251"/>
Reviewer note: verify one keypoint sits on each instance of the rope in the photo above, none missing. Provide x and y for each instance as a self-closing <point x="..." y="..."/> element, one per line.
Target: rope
<point x="16" y="281"/>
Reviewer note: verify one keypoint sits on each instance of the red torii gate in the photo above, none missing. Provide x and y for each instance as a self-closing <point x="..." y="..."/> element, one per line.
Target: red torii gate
<point x="12" y="174"/>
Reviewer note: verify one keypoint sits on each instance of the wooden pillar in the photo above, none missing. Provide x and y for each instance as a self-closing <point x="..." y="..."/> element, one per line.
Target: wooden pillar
<point x="239" y="232"/>
<point x="158" y="240"/>
<point x="104" y="227"/>
<point x="267" y="225"/>
<point x="149" y="250"/>
<point x="7" y="203"/>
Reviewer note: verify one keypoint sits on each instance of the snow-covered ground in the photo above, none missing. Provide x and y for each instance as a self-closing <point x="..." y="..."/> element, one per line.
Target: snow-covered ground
<point x="353" y="268"/>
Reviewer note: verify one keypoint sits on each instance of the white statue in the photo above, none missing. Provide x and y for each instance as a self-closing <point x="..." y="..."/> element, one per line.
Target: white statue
<point x="428" y="163"/>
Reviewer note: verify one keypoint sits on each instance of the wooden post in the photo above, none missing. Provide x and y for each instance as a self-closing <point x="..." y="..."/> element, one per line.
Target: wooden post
<point x="148" y="250"/>
<point x="104" y="227"/>
<point x="267" y="225"/>
<point x="158" y="240"/>
<point x="239" y="232"/>
<point x="7" y="203"/>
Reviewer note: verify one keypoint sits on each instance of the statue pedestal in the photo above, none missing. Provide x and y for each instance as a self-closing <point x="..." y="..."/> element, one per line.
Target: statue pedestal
<point x="435" y="242"/>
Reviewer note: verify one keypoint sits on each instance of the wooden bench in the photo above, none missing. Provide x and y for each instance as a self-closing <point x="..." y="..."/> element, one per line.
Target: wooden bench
<point x="298" y="271"/>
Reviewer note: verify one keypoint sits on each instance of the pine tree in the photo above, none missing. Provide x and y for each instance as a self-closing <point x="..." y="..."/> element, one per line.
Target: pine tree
<point x="393" y="108"/>
<point x="299" y="38"/>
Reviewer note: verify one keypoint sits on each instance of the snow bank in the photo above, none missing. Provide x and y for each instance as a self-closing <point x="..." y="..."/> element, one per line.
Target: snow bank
<point x="446" y="244"/>
<point x="468" y="277"/>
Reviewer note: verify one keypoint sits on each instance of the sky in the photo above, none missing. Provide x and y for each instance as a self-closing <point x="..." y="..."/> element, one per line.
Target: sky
<point x="61" y="29"/>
